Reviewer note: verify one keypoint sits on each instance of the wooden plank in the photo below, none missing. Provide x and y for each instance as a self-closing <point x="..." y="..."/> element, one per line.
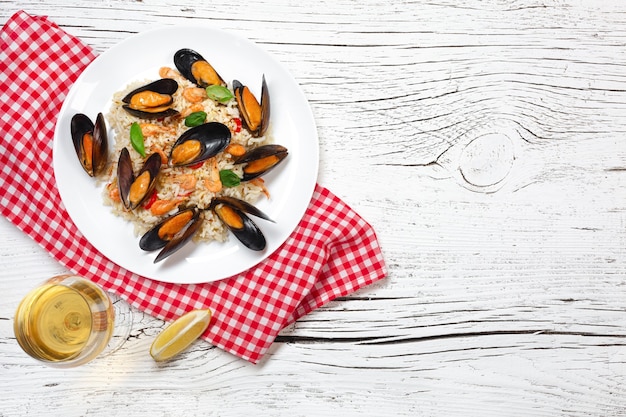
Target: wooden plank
<point x="483" y="141"/>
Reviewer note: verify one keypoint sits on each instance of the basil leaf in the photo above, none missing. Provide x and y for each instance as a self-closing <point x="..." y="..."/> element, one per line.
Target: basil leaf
<point x="195" y="119"/>
<point x="229" y="178"/>
<point x="219" y="93"/>
<point x="136" y="139"/>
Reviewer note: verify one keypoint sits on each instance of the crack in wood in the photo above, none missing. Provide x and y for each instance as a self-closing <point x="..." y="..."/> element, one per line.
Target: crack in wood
<point x="390" y="340"/>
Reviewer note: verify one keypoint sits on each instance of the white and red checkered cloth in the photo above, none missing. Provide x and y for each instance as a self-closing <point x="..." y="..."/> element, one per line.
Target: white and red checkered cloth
<point x="332" y="253"/>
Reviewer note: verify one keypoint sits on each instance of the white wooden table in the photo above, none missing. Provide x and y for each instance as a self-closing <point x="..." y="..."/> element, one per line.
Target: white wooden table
<point x="484" y="141"/>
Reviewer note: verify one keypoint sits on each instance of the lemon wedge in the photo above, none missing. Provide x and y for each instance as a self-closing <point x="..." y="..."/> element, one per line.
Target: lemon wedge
<point x="180" y="334"/>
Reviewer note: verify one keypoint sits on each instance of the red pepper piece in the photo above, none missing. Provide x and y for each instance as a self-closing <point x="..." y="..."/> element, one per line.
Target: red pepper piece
<point x="150" y="201"/>
<point x="237" y="124"/>
<point x="196" y="166"/>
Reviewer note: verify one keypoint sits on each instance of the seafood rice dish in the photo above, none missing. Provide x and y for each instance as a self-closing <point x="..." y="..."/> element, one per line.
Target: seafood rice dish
<point x="183" y="143"/>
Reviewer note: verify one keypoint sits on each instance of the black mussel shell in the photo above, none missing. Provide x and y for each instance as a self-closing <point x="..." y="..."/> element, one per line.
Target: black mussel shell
<point x="261" y="160"/>
<point x="149" y="116"/>
<point x="93" y="162"/>
<point x="166" y="86"/>
<point x="126" y="177"/>
<point x="184" y="224"/>
<point x="101" y="145"/>
<point x="255" y="116"/>
<point x="213" y="138"/>
<point x="249" y="233"/>
<point x="184" y="60"/>
<point x="240" y="205"/>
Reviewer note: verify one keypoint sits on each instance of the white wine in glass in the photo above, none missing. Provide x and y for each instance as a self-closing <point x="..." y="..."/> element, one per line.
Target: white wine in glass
<point x="66" y="321"/>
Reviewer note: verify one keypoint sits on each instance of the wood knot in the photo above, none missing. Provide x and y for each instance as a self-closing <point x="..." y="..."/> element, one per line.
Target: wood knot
<point x="486" y="161"/>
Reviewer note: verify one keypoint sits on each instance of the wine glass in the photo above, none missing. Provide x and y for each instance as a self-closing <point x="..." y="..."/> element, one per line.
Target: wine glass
<point x="68" y="321"/>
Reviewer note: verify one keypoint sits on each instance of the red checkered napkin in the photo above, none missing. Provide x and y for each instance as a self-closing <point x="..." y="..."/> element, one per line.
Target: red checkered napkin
<point x="332" y="253"/>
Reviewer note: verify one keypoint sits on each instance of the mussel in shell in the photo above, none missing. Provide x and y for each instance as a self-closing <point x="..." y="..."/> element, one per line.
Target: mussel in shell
<point x="255" y="115"/>
<point x="232" y="212"/>
<point x="134" y="189"/>
<point x="199" y="144"/>
<point x="90" y="143"/>
<point x="196" y="69"/>
<point x="153" y="100"/>
<point x="261" y="160"/>
<point x="172" y="233"/>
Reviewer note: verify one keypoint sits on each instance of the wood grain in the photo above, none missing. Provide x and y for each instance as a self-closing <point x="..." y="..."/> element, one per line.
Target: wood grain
<point x="484" y="140"/>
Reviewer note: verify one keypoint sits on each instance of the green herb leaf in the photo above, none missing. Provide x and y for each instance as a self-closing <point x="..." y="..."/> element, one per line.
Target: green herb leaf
<point x="229" y="178"/>
<point x="136" y="139"/>
<point x="219" y="93"/>
<point x="195" y="119"/>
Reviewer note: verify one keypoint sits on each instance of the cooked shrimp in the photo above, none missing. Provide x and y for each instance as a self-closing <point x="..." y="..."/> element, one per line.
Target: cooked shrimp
<point x="213" y="183"/>
<point x="151" y="129"/>
<point x="261" y="183"/>
<point x="194" y="94"/>
<point x="114" y="193"/>
<point x="160" y="207"/>
<point x="186" y="181"/>
<point x="191" y="109"/>
<point x="235" y="149"/>
<point x="167" y="72"/>
<point x="164" y="158"/>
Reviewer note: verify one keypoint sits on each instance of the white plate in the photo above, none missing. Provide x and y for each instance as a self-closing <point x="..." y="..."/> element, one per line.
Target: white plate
<point x="139" y="57"/>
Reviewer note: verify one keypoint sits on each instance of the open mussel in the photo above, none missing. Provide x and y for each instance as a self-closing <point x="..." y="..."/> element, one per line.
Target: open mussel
<point x="196" y="69"/>
<point x="172" y="233"/>
<point x="232" y="212"/>
<point x="134" y="189"/>
<point x="255" y="115"/>
<point x="261" y="160"/>
<point x="90" y="143"/>
<point x="199" y="144"/>
<point x="153" y="100"/>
